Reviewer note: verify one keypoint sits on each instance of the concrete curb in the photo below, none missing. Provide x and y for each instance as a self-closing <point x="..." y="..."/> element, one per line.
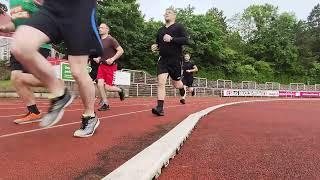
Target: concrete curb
<point x="148" y="163"/>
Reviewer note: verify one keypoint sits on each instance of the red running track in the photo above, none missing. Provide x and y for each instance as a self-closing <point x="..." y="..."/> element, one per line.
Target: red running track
<point x="28" y="152"/>
<point x="269" y="140"/>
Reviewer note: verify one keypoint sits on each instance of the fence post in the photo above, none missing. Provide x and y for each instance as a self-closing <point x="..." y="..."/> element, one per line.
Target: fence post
<point x="151" y="90"/>
<point x="137" y="90"/>
<point x="133" y="77"/>
<point x="145" y="78"/>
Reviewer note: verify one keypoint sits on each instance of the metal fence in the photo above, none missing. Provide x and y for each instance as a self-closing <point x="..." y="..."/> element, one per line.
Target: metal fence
<point x="145" y="85"/>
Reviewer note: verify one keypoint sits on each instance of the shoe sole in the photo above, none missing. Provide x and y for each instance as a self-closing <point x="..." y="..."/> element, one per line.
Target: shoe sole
<point x="60" y="114"/>
<point x="89" y="135"/>
<point x="104" y="109"/>
<point x="28" y="122"/>
<point x="157" y="113"/>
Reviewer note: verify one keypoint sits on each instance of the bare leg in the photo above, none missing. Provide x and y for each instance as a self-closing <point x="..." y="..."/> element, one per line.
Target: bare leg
<point x="25" y="49"/>
<point x="23" y="83"/>
<point x="78" y="66"/>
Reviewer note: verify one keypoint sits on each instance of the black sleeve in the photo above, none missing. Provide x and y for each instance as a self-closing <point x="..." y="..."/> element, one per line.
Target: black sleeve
<point x="183" y="38"/>
<point x="157" y="39"/>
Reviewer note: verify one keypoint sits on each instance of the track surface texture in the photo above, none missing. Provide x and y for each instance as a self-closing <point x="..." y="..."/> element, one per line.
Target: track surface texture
<point x="28" y="152"/>
<point x="261" y="140"/>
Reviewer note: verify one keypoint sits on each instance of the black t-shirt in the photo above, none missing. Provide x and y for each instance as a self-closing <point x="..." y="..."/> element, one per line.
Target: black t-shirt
<point x="173" y="48"/>
<point x="187" y="66"/>
<point x="94" y="65"/>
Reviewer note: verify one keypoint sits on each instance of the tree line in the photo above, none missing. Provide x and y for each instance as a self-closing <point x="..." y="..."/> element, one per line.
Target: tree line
<point x="261" y="44"/>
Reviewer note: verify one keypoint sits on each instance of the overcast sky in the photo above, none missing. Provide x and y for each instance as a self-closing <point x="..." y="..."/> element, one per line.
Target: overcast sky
<point x="155" y="8"/>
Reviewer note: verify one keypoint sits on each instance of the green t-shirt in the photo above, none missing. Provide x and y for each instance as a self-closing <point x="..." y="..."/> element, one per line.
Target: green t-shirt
<point x="21" y="10"/>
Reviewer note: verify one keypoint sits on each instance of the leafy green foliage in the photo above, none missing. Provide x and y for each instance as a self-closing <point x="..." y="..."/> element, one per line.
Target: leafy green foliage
<point x="260" y="44"/>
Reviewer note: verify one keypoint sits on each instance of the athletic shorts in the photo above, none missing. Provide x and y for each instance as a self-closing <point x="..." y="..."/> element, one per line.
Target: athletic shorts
<point x="74" y="25"/>
<point x="107" y="73"/>
<point x="93" y="74"/>
<point x="187" y="80"/>
<point x="16" y="65"/>
<point x="172" y="66"/>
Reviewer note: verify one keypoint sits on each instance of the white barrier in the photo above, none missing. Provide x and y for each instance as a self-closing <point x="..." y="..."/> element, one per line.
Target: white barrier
<point x="250" y="93"/>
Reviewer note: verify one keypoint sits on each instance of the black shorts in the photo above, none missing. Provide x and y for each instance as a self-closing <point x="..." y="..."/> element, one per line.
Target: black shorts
<point x="171" y="66"/>
<point x="93" y="74"/>
<point x="15" y="65"/>
<point x="187" y="80"/>
<point x="74" y="25"/>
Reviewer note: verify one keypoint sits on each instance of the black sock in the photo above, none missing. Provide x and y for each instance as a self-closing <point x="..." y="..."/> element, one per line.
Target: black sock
<point x="182" y="92"/>
<point x="160" y="104"/>
<point x="33" y="109"/>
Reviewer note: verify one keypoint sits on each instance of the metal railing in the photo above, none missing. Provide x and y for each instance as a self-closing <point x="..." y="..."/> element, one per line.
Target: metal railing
<point x="224" y="82"/>
<point x="297" y="85"/>
<point x="273" y="84"/>
<point x="248" y="83"/>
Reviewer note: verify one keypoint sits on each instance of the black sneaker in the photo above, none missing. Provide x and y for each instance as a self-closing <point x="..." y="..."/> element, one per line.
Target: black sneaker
<point x="193" y="93"/>
<point x="182" y="101"/>
<point x="104" y="107"/>
<point x="56" y="109"/>
<point x="157" y="111"/>
<point x="88" y="127"/>
<point x="122" y="94"/>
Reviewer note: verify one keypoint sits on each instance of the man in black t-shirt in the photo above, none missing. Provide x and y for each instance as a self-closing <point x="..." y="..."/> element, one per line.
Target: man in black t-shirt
<point x="169" y="43"/>
<point x="188" y="69"/>
<point x="73" y="22"/>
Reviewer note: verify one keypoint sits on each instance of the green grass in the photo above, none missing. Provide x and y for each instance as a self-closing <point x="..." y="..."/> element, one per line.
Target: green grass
<point x="5" y="84"/>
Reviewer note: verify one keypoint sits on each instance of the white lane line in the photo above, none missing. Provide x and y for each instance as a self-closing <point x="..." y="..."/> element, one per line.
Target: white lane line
<point x="67" y="124"/>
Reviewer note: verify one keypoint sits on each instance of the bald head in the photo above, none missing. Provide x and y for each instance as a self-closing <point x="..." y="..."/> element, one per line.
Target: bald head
<point x="104" y="29"/>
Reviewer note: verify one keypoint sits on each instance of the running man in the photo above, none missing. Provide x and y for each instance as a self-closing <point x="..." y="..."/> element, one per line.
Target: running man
<point x="111" y="52"/>
<point x="72" y="21"/>
<point x="188" y="69"/>
<point x="170" y="39"/>
<point x="22" y="80"/>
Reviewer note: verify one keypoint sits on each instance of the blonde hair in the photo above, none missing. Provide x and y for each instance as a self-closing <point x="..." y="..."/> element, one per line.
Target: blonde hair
<point x="171" y="8"/>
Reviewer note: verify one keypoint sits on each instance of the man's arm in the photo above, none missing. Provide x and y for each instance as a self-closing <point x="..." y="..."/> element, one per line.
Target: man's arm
<point x="195" y="69"/>
<point x="155" y="47"/>
<point x="119" y="53"/>
<point x="183" y="38"/>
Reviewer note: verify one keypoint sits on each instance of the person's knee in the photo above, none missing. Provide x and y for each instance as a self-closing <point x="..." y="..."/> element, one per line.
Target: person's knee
<point x="21" y="48"/>
<point x="100" y="83"/>
<point x="178" y="84"/>
<point x="16" y="77"/>
<point x="161" y="83"/>
<point x="78" y="75"/>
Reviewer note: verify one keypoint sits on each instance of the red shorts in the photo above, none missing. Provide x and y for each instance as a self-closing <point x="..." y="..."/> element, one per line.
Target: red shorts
<point x="107" y="73"/>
